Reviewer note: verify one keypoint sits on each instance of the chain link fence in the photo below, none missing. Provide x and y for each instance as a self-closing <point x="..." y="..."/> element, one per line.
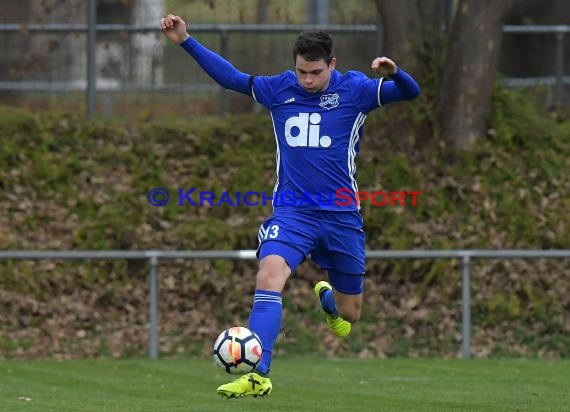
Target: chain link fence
<point x="131" y="67"/>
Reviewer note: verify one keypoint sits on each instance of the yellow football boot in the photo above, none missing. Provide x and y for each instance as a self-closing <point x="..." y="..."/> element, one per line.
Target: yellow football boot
<point x="250" y="384"/>
<point x="338" y="325"/>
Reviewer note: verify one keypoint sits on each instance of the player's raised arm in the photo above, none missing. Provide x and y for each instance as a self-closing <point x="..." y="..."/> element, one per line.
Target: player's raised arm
<point x="399" y="86"/>
<point x="218" y="68"/>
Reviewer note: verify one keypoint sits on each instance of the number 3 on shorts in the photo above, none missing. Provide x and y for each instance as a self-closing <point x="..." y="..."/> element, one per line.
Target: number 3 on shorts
<point x="270" y="233"/>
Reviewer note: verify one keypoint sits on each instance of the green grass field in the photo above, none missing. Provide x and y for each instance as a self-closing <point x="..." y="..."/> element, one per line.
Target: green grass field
<point x="299" y="384"/>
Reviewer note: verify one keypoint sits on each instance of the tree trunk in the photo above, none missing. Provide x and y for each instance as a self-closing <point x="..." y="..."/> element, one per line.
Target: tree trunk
<point x="400" y="30"/>
<point x="147" y="49"/>
<point x="261" y="11"/>
<point x="415" y="36"/>
<point x="469" y="71"/>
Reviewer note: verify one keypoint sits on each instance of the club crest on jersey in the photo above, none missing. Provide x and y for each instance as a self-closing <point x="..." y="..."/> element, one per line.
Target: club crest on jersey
<point x="329" y="101"/>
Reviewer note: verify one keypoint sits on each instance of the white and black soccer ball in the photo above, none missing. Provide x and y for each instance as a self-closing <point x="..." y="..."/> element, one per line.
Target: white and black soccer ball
<point x="237" y="350"/>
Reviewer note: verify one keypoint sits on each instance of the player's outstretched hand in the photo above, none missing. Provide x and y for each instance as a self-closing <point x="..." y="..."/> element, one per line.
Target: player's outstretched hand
<point x="174" y="28"/>
<point x="384" y="66"/>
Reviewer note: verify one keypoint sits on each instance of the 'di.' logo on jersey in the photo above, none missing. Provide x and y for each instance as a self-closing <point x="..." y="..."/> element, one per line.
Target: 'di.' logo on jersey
<point x="308" y="131"/>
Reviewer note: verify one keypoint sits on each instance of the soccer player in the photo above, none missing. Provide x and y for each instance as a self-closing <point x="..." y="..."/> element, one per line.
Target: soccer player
<point x="318" y="115"/>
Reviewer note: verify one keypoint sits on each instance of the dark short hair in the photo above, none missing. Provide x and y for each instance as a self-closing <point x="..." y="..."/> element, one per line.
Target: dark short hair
<point x="313" y="46"/>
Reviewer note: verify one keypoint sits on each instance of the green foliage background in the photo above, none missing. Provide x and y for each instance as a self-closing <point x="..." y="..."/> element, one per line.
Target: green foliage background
<point x="68" y="183"/>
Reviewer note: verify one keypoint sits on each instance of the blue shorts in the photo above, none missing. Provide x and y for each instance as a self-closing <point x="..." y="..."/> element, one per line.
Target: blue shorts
<point x="334" y="240"/>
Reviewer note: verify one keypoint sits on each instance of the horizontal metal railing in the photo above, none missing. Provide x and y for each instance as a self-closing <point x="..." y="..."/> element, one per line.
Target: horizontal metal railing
<point x="153" y="257"/>
<point x="194" y="28"/>
<point x="252" y="28"/>
<point x="557" y="81"/>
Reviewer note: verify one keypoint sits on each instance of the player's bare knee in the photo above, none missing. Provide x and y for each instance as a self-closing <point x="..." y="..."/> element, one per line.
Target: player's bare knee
<point x="272" y="274"/>
<point x="267" y="273"/>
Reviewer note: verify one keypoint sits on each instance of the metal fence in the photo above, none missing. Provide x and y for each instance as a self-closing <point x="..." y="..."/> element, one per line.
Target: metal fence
<point x="557" y="80"/>
<point x="153" y="257"/>
<point x="96" y="59"/>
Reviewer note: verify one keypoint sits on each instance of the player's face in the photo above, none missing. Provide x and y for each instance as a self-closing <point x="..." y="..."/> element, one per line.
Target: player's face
<point x="313" y="76"/>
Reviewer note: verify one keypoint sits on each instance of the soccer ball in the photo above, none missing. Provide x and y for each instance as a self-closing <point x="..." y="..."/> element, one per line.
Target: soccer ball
<point x="237" y="350"/>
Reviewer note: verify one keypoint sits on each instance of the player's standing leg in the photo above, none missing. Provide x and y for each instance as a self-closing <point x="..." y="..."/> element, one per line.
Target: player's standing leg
<point x="265" y="321"/>
<point x="284" y="242"/>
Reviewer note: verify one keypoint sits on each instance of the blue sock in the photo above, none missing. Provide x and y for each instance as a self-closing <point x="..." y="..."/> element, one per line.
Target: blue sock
<point x="327" y="302"/>
<point x="265" y="320"/>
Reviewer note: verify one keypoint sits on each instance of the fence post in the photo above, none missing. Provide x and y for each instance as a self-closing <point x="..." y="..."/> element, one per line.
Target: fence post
<point x="559" y="68"/>
<point x="466" y="311"/>
<point x="379" y="34"/>
<point x="91" y="58"/>
<point x="319" y="11"/>
<point x="224" y="53"/>
<point x="153" y="308"/>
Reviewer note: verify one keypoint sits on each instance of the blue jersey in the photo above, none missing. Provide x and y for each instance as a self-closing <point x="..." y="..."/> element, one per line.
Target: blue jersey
<point x="317" y="136"/>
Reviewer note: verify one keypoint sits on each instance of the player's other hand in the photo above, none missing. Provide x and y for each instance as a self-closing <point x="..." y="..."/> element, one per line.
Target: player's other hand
<point x="384" y="66"/>
<point x="174" y="28"/>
